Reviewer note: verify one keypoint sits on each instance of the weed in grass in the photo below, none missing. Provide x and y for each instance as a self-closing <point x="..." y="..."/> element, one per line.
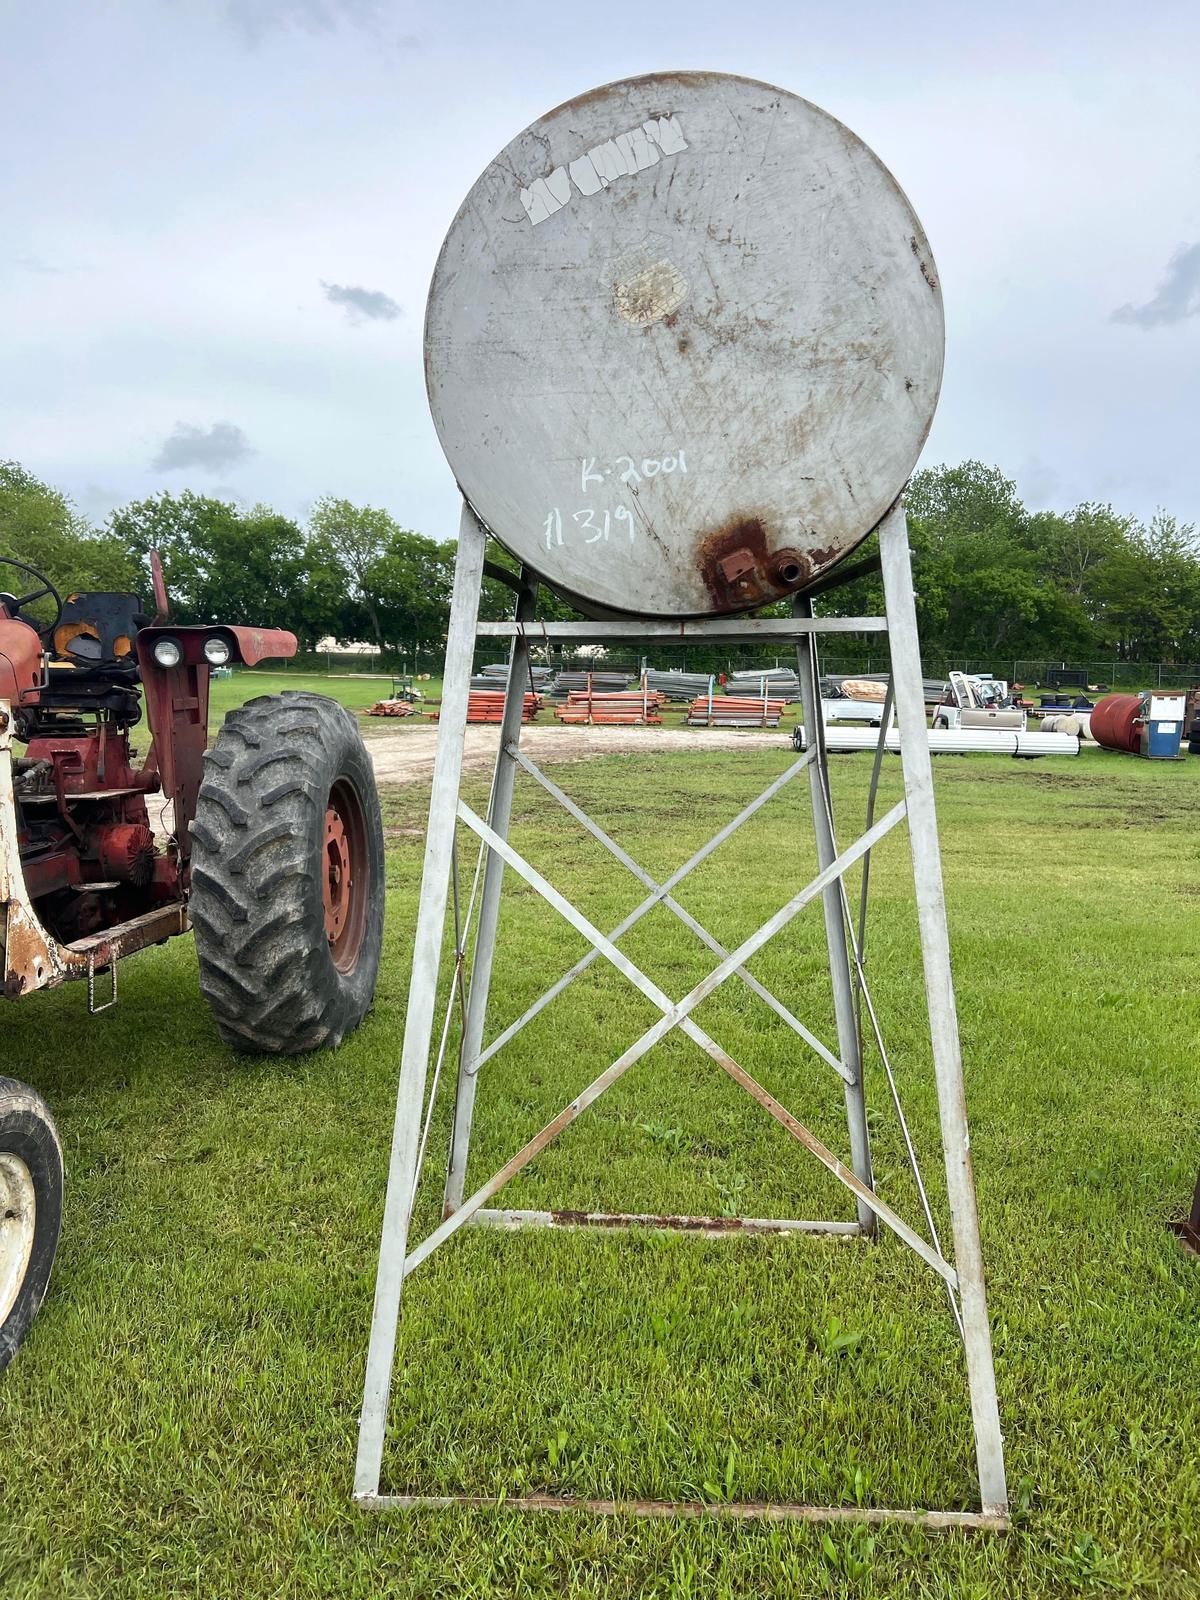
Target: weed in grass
<point x="856" y="1483"/>
<point x="836" y="1340"/>
<point x="739" y="1315"/>
<point x="850" y="1555"/>
<point x="667" y="1136"/>
<point x="669" y="1317"/>
<point x="723" y="1486"/>
<point x="1086" y="1565"/>
<point x="558" y="1452"/>
<point x="684" y="1577"/>
<point x="1021" y="1501"/>
<point x="730" y="1189"/>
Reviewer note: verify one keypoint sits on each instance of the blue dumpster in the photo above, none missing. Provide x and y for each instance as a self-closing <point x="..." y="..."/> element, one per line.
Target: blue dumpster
<point x="1163" y="727"/>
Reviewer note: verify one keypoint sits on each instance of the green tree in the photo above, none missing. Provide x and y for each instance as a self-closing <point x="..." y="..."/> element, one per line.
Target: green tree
<point x="1147" y="593"/>
<point x="221" y="564"/>
<point x="993" y="580"/>
<point x="355" y="539"/>
<point x="497" y="598"/>
<point x="40" y="526"/>
<point x="1075" y="546"/>
<point x="410" y="587"/>
<point x="329" y="609"/>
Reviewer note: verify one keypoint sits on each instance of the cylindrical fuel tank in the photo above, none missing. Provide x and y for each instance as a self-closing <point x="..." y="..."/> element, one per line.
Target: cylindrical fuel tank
<point x="683" y="345"/>
<point x="1113" y="718"/>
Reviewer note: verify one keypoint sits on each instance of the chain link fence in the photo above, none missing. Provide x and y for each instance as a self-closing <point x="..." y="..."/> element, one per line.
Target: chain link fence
<point x="716" y="659"/>
<point x="1034" y="674"/>
<point x="1042" y="674"/>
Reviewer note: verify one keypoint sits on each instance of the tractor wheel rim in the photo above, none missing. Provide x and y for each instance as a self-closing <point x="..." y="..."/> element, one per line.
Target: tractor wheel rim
<point x="18" y="1223"/>
<point x="346" y="874"/>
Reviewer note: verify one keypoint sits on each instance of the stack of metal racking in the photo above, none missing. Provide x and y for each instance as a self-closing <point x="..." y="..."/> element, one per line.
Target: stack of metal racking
<point x="567" y="682"/>
<point x="780" y="682"/>
<point x="677" y="685"/>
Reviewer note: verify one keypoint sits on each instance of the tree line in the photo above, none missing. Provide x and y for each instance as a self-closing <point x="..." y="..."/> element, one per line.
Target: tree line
<point x="993" y="578"/>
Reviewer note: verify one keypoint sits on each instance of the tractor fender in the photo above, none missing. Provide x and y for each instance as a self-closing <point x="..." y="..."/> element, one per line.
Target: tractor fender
<point x="262" y="644"/>
<point x="20" y="659"/>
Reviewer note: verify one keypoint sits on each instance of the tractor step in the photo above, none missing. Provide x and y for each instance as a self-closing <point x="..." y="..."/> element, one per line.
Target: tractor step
<point x="123" y="938"/>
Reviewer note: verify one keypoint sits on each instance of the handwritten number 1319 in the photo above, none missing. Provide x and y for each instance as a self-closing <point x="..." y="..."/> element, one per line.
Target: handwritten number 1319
<point x="586" y="520"/>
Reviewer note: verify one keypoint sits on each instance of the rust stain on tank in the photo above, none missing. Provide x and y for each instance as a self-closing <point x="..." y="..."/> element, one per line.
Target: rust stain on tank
<point x="740" y="571"/>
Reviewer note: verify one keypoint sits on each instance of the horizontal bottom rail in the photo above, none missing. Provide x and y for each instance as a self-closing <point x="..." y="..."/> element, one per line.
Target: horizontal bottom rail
<point x="696" y="1227"/>
<point x="729" y="1510"/>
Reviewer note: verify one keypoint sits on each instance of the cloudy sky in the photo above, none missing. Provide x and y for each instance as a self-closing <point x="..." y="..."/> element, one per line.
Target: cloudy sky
<point x="220" y="218"/>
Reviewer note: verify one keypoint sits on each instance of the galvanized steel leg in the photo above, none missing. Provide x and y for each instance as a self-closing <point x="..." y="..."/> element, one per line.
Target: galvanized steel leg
<point x="835" y="929"/>
<point x="499" y="812"/>
<point x="422" y="994"/>
<point x="943" y="1018"/>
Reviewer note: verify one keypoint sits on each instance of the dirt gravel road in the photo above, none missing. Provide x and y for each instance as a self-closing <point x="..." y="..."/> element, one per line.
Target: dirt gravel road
<point x="407" y="757"/>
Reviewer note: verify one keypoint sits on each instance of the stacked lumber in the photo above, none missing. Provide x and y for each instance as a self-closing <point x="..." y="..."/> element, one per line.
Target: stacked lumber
<point x="624" y="708"/>
<point x="729" y="711"/>
<point x="487" y="705"/>
<point x="392" y="708"/>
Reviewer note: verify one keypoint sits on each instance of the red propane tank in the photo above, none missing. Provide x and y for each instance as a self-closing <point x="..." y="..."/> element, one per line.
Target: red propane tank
<point x="1113" y="722"/>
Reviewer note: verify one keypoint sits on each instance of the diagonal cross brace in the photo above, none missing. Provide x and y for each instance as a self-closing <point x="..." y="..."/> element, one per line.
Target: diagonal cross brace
<point x="685" y="916"/>
<point x="677" y="1014"/>
<point x="647" y="905"/>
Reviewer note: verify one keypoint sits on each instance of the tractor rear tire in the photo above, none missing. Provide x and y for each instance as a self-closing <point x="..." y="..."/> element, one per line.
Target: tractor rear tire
<point x="287" y="876"/>
<point x="31" y="1198"/>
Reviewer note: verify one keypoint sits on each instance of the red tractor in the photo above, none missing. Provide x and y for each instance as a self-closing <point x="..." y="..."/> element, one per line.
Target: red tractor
<point x="269" y="846"/>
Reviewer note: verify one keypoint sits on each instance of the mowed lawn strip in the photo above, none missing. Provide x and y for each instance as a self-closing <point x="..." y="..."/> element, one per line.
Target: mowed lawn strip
<point x="182" y="1420"/>
<point x="353" y="691"/>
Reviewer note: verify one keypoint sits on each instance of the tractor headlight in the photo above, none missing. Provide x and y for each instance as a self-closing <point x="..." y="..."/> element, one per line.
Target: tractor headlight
<point x="167" y="652"/>
<point x="216" y="652"/>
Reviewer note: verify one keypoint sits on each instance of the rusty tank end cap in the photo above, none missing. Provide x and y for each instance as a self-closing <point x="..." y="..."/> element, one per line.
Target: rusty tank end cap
<point x="741" y="571"/>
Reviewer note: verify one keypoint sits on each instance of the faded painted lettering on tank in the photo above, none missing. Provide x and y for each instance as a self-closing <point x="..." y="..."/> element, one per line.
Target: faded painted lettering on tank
<point x="627" y="469"/>
<point x="612" y="521"/>
<point x="619" y="157"/>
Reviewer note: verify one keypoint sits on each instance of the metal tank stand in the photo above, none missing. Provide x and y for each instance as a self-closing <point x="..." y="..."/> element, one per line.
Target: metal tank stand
<point x="961" y="1268"/>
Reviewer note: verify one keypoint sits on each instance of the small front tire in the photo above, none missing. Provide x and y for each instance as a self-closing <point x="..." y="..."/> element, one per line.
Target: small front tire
<point x="31" y="1198"/>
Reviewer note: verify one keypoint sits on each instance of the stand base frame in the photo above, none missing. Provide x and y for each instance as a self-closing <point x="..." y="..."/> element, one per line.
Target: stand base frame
<point x="964" y="1278"/>
<point x="718" y="1510"/>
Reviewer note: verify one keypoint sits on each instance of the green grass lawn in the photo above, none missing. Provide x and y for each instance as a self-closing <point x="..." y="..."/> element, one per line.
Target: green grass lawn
<point x="354" y="692"/>
<point x="182" y="1420"/>
<point x="358" y="692"/>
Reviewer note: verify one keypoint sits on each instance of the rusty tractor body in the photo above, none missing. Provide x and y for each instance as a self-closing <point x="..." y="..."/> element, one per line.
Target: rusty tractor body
<point x="82" y="881"/>
<point x="120" y="828"/>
